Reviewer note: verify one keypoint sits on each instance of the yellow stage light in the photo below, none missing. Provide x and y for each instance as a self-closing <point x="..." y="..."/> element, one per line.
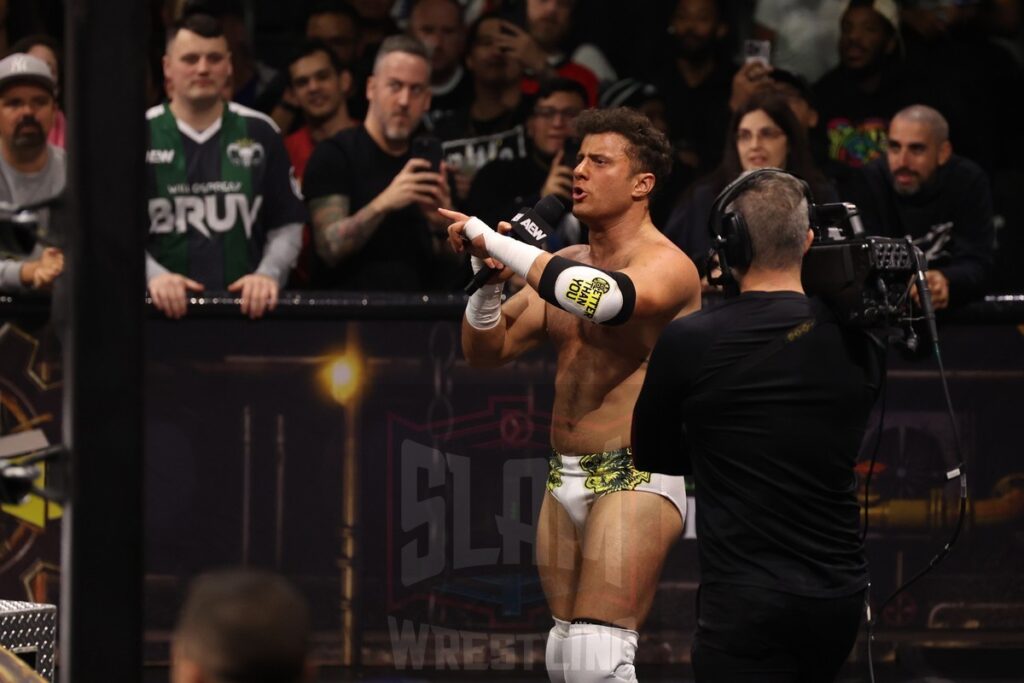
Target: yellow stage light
<point x="344" y="376"/>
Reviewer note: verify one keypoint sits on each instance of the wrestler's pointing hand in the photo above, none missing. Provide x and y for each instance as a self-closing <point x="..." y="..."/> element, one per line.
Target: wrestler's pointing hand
<point x="459" y="242"/>
<point x="457" y="234"/>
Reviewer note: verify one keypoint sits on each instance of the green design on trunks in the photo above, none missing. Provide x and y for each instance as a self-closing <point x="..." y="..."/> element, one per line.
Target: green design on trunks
<point x="612" y="471"/>
<point x="554" y="472"/>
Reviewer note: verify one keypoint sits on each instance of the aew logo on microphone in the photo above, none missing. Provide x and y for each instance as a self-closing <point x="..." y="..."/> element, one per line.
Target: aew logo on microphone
<point x="587" y="293"/>
<point x="530" y="226"/>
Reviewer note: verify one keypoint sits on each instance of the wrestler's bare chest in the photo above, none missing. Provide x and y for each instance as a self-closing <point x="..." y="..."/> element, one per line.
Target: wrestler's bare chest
<point x="599" y="373"/>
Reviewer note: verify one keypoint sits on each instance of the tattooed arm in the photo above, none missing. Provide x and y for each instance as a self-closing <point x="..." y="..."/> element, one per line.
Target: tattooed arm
<point x="338" y="233"/>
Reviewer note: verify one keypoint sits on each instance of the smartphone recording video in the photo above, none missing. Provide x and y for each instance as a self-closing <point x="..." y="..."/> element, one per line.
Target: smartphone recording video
<point x="570" y="152"/>
<point x="757" y="51"/>
<point x="429" y="148"/>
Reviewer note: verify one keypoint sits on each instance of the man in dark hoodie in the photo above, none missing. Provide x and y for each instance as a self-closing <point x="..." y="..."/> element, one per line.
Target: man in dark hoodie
<point x="941" y="200"/>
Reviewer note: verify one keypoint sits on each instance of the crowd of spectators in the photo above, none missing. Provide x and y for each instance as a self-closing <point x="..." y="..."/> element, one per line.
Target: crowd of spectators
<point x="902" y="107"/>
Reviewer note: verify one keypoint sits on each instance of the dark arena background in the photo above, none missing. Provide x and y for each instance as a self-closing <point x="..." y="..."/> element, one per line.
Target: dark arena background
<point x="344" y="442"/>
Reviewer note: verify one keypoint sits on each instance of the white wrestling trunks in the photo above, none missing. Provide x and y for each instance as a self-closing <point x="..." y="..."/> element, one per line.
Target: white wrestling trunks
<point x="576" y="481"/>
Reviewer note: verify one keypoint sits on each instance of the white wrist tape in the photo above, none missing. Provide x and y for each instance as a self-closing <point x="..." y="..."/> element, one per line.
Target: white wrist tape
<point x="484" y="308"/>
<point x="514" y="254"/>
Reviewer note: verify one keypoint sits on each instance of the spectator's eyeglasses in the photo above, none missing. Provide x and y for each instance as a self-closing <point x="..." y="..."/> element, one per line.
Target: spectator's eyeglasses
<point x="766" y="133"/>
<point x="550" y="113"/>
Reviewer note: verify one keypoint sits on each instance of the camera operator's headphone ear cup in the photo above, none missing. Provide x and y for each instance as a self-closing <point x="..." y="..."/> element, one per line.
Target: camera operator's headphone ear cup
<point x="739" y="250"/>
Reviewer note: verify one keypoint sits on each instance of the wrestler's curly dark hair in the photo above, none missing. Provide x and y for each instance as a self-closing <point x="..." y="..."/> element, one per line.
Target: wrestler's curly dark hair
<point x="649" y="150"/>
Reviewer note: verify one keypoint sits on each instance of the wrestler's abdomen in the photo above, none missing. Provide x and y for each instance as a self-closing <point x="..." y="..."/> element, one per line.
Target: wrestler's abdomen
<point x="599" y="375"/>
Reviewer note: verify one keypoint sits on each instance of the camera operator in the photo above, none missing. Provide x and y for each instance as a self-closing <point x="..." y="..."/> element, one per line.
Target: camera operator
<point x="764" y="399"/>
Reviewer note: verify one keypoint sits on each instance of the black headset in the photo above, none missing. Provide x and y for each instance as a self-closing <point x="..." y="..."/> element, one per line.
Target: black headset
<point x="730" y="237"/>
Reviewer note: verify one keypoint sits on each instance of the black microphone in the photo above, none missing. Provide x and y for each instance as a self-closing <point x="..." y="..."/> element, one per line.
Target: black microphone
<point x="530" y="226"/>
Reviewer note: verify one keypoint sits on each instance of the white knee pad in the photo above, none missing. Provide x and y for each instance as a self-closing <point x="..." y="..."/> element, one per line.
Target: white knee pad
<point x="554" y="655"/>
<point x="599" y="653"/>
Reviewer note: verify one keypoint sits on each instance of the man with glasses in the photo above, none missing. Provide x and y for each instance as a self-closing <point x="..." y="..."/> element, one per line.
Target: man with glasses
<point x="503" y="186"/>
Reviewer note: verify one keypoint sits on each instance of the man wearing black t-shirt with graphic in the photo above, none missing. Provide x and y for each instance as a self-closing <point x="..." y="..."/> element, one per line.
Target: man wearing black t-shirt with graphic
<point x="504" y="185"/>
<point x="764" y="401"/>
<point x="373" y="207"/>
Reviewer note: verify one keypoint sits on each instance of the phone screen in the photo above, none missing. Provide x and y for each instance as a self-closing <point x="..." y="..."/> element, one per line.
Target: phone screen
<point x="570" y="150"/>
<point x="429" y="148"/>
<point x="757" y="51"/>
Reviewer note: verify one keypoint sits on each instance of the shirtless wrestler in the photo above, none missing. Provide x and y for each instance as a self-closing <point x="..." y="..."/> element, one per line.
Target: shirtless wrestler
<point x="602" y="535"/>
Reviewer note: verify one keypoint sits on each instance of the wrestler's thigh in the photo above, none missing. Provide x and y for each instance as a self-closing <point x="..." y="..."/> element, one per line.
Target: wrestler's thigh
<point x="558" y="557"/>
<point x="626" y="539"/>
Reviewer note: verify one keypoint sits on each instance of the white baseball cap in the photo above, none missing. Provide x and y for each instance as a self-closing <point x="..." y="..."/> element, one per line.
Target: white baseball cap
<point x="21" y="67"/>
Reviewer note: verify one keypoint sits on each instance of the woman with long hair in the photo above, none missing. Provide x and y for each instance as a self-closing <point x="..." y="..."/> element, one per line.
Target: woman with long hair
<point x="763" y="133"/>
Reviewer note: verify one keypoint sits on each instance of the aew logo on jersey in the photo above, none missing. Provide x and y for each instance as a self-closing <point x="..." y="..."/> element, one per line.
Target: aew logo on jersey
<point x="587" y="293"/>
<point x="160" y="156"/>
<point x="245" y="153"/>
<point x="214" y="213"/>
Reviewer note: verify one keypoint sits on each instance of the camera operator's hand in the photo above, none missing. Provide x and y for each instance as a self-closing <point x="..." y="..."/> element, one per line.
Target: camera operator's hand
<point x="752" y="78"/>
<point x="938" y="286"/>
<point x="559" y="180"/>
<point x="414" y="183"/>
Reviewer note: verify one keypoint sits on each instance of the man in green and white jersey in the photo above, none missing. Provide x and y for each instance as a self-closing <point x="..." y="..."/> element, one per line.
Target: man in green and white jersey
<point x="225" y="212"/>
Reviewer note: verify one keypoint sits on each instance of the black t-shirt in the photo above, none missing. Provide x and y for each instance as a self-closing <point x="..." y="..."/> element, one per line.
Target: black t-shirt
<point x="949" y="218"/>
<point x="471" y="144"/>
<point x="698" y="116"/>
<point x="855" y="121"/>
<point x="399" y="254"/>
<point x="459" y="96"/>
<point x="503" y="186"/>
<point x="771" y="446"/>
